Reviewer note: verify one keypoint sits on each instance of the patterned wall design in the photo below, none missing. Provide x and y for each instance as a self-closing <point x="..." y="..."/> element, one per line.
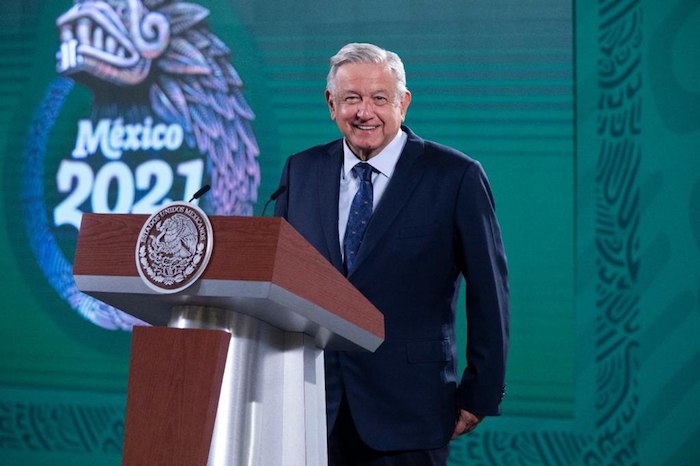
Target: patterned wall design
<point x="43" y="427"/>
<point x="617" y="233"/>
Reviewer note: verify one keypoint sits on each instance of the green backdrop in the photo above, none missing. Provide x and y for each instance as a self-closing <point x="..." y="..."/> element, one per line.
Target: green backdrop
<point x="585" y="116"/>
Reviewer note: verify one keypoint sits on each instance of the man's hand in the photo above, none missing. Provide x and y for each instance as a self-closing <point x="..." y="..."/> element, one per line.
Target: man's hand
<point x="466" y="422"/>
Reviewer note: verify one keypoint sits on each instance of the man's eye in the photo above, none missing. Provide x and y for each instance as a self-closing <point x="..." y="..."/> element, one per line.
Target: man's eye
<point x="351" y="99"/>
<point x="380" y="100"/>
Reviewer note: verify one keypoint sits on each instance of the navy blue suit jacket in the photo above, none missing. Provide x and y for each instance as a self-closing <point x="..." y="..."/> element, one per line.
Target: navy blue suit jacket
<point x="434" y="223"/>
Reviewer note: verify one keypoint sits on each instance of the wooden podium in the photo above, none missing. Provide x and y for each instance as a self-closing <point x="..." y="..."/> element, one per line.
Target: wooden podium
<point x="231" y="371"/>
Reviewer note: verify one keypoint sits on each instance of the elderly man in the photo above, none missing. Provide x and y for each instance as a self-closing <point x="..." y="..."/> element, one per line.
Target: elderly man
<point x="403" y="218"/>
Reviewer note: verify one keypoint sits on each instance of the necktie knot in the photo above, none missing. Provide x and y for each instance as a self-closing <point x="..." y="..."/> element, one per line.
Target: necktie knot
<point x="363" y="171"/>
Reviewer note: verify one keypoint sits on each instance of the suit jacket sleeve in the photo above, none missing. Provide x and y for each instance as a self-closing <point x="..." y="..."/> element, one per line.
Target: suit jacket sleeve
<point x="484" y="267"/>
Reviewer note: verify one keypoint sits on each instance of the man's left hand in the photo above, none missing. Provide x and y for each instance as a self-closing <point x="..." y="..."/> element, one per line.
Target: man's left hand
<point x="466" y="422"/>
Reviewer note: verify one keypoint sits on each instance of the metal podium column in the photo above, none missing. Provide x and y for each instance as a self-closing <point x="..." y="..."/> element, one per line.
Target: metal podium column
<point x="272" y="402"/>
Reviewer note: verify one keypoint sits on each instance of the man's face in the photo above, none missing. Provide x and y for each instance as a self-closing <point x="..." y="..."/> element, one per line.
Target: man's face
<point x="366" y="107"/>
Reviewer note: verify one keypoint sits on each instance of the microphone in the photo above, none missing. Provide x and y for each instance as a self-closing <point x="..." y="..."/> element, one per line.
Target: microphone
<point x="273" y="197"/>
<point x="202" y="191"/>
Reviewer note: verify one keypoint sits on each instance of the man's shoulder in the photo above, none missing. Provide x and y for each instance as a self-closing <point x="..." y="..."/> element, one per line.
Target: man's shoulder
<point x="440" y="152"/>
<point x="449" y="158"/>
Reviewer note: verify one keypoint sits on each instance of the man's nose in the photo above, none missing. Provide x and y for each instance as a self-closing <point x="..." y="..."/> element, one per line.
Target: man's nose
<point x="365" y="108"/>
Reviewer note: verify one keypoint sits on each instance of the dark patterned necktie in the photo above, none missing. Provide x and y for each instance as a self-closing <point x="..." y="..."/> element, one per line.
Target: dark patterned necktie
<point x="360" y="212"/>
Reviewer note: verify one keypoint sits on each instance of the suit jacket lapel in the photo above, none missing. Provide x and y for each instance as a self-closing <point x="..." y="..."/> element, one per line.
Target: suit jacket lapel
<point x="408" y="171"/>
<point x="328" y="177"/>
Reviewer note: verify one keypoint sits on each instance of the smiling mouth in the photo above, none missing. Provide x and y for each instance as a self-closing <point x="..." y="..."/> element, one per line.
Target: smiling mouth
<point x="366" y="128"/>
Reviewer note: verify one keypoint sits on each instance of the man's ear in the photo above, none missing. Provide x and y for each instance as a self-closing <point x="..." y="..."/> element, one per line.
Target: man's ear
<point x="405" y="102"/>
<point x="331" y="104"/>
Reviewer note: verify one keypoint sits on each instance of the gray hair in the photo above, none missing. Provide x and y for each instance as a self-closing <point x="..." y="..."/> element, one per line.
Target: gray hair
<point x="367" y="53"/>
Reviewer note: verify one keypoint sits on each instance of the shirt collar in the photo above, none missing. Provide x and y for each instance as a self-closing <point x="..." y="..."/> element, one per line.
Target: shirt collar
<point x="384" y="162"/>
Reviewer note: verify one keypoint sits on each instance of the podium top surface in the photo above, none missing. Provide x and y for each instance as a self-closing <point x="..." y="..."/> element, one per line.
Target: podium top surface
<point x="259" y="266"/>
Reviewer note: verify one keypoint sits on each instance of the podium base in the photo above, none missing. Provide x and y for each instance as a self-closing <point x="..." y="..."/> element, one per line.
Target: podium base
<point x="272" y="402"/>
